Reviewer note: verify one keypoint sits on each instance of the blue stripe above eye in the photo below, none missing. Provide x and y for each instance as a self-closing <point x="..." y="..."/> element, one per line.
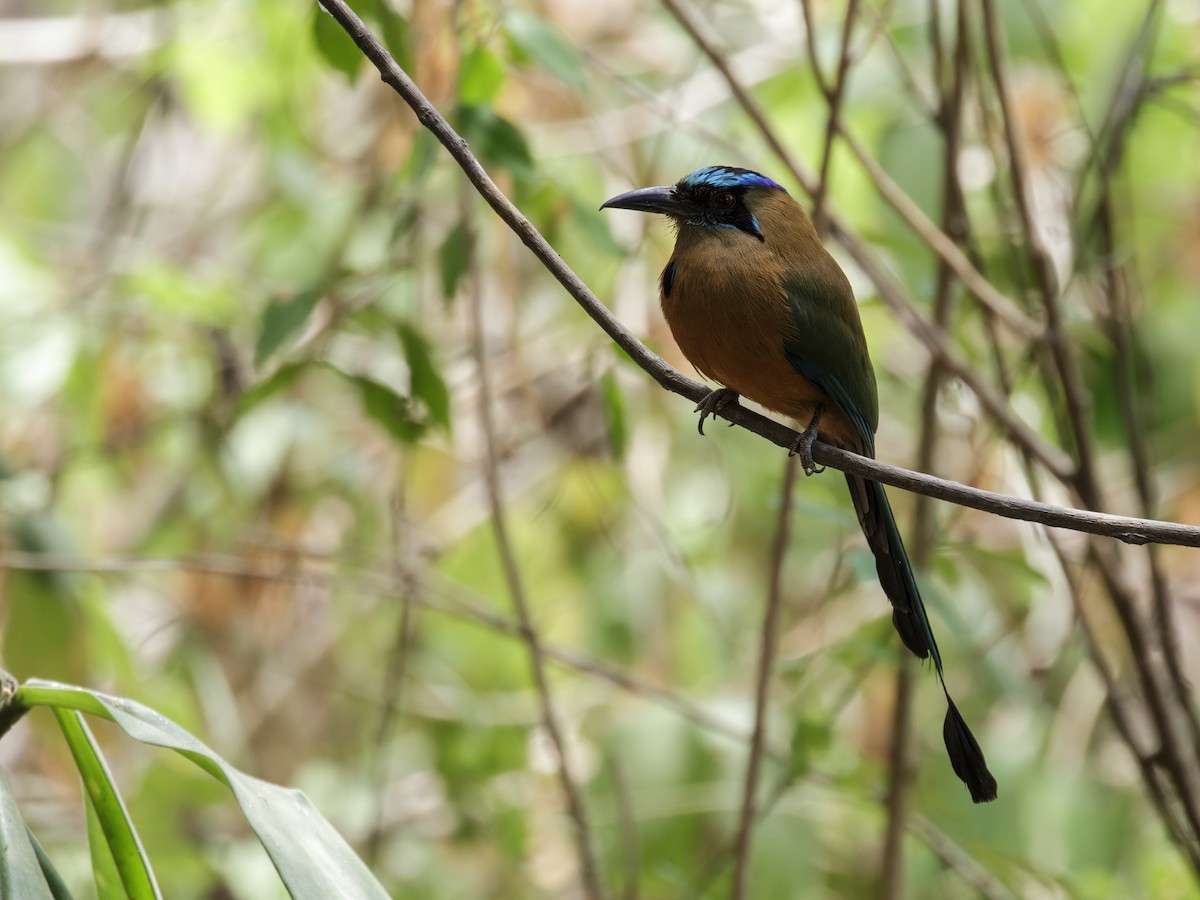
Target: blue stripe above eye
<point x="728" y="176"/>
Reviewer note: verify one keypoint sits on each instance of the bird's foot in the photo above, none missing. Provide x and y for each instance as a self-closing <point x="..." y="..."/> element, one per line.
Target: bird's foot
<point x="804" y="443"/>
<point x="713" y="403"/>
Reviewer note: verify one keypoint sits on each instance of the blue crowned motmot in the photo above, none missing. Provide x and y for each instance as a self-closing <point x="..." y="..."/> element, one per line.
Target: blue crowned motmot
<point x="756" y="303"/>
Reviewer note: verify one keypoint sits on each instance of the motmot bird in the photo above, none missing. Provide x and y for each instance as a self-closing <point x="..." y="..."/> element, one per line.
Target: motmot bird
<point x="758" y="305"/>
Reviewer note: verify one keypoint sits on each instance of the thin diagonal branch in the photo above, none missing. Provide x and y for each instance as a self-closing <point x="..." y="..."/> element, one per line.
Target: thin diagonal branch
<point x="1123" y="719"/>
<point x="950" y="83"/>
<point x="1086" y="481"/>
<point x="459" y="606"/>
<point x="588" y="872"/>
<point x="975" y="875"/>
<point x="1120" y="285"/>
<point x="834" y="97"/>
<point x="393" y="679"/>
<point x="1128" y="529"/>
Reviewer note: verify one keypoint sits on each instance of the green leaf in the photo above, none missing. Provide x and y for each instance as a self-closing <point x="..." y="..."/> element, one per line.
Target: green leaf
<point x="421" y="159"/>
<point x="279" y="380"/>
<point x="388" y="408"/>
<point x="335" y="45"/>
<point x="480" y="77"/>
<point x="119" y="861"/>
<point x="453" y="257"/>
<point x="810" y="739"/>
<point x="392" y="28"/>
<point x="20" y="868"/>
<point x="105" y="874"/>
<point x="281" y="320"/>
<point x="313" y="860"/>
<point x="426" y="381"/>
<point x="58" y="887"/>
<point x="495" y="139"/>
<point x="538" y="40"/>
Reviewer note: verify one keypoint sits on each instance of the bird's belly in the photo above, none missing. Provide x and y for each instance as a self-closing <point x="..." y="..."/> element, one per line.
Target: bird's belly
<point x="751" y="360"/>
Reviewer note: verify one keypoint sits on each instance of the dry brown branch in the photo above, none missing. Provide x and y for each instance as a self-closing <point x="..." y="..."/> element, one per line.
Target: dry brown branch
<point x="588" y="872"/>
<point x="1175" y="736"/>
<point x="1129" y="529"/>
<point x="834" y="97"/>
<point x="950" y="82"/>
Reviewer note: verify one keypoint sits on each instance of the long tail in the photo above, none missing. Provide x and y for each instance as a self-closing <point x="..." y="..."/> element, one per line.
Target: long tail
<point x="912" y="623"/>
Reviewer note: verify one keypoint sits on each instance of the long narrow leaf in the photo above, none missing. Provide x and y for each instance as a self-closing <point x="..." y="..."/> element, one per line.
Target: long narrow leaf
<point x="120" y="852"/>
<point x="20" y="870"/>
<point x="105" y="873"/>
<point x="313" y="860"/>
<point x="58" y="887"/>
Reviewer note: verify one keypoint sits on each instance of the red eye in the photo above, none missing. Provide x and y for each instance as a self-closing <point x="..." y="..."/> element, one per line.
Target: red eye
<point x="724" y="201"/>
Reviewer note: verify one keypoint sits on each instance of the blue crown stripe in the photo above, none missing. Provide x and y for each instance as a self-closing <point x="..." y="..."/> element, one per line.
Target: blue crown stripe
<point x="730" y="177"/>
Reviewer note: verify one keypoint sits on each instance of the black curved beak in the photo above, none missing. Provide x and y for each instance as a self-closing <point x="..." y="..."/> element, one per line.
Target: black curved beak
<point x="664" y="200"/>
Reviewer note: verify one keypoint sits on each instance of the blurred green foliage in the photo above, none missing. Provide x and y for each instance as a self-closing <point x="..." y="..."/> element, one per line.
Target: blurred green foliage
<point x="233" y="335"/>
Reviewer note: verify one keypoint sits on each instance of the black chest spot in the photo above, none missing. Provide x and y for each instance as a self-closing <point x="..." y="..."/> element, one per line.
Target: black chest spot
<point x="668" y="278"/>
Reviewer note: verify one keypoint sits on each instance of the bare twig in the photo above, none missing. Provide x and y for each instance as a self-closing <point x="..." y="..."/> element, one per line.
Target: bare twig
<point x="1120" y="282"/>
<point x="950" y="83"/>
<point x="766" y="663"/>
<point x="959" y="860"/>
<point x="1076" y="396"/>
<point x="393" y="680"/>
<point x="458" y="606"/>
<point x="1002" y="306"/>
<point x="942" y="245"/>
<point x="1123" y="717"/>
<point x="810" y="41"/>
<point x="900" y="776"/>
<point x="588" y="872"/>
<point x="1178" y="752"/>
<point x="834" y="97"/>
<point x="1125" y="528"/>
<point x="922" y="104"/>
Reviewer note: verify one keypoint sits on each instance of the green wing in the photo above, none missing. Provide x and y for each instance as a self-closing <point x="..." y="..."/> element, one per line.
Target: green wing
<point x="826" y="344"/>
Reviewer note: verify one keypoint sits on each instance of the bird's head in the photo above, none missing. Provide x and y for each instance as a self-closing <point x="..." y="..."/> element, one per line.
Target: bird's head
<point x="712" y="197"/>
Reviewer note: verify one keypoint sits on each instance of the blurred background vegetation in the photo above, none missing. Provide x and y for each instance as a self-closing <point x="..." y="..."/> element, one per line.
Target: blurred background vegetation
<point x="242" y="470"/>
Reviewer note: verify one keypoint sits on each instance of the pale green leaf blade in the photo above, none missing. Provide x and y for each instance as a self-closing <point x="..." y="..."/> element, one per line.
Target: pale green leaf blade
<point x="480" y="77"/>
<point x="313" y="860"/>
<point x="427" y="383"/>
<point x="453" y="257"/>
<point x="332" y="42"/>
<point x="58" y="887"/>
<point x="105" y="874"/>
<point x="545" y="45"/>
<point x="122" y="856"/>
<point x="20" y="870"/>
<point x="281" y="320"/>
